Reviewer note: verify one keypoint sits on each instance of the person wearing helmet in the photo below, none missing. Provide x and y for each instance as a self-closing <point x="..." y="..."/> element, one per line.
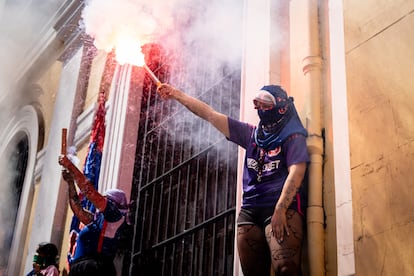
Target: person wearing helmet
<point x="45" y="261"/>
<point x="270" y="224"/>
<point x="96" y="243"/>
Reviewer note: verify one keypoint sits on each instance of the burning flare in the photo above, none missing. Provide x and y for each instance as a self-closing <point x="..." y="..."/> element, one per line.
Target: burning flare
<point x="126" y="52"/>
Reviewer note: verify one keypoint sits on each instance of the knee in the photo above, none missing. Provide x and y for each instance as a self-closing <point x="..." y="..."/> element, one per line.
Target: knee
<point x="288" y="269"/>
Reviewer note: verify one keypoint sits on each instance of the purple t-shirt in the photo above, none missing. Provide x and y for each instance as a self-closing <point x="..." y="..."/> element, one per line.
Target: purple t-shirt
<point x="266" y="191"/>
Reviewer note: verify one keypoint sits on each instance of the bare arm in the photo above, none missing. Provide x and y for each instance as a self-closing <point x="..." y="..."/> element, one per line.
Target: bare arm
<point x="83" y="215"/>
<point x="289" y="191"/>
<point x="199" y="108"/>
<point x="83" y="183"/>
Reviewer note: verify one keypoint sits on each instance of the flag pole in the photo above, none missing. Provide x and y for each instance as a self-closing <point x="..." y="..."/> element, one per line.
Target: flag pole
<point x="63" y="144"/>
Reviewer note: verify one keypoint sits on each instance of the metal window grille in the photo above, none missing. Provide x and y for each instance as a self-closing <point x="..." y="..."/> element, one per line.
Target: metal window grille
<point x="185" y="170"/>
<point x="186" y="186"/>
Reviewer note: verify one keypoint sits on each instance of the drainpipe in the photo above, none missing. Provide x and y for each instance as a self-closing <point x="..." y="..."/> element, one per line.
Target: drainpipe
<point x="312" y="69"/>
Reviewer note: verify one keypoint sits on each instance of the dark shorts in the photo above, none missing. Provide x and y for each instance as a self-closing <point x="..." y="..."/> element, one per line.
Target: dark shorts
<point x="261" y="216"/>
<point x="258" y="216"/>
<point x="91" y="266"/>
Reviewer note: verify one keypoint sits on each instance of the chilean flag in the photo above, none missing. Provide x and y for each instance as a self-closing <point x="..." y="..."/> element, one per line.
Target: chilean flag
<point x="92" y="163"/>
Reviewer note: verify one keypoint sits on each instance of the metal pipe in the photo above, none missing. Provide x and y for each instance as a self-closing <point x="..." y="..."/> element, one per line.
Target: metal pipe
<point x="312" y="69"/>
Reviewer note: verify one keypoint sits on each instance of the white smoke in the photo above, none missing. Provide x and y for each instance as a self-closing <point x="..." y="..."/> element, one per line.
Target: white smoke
<point x="215" y="24"/>
<point x="106" y="20"/>
<point x="215" y="28"/>
<point x="7" y="208"/>
<point x="208" y="37"/>
<point x="21" y="24"/>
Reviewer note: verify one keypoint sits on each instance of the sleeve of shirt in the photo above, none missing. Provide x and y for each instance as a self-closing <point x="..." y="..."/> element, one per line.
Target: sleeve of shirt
<point x="51" y="270"/>
<point x="240" y="132"/>
<point x="296" y="150"/>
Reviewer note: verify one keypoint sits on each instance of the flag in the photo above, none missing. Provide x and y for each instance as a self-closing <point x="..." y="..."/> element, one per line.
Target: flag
<point x="92" y="165"/>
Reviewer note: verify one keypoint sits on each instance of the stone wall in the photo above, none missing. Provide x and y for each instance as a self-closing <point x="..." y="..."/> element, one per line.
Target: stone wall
<point x="379" y="53"/>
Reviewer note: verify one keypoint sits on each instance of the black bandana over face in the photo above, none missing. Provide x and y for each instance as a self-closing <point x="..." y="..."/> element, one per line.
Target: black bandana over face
<point x="282" y="101"/>
<point x="278" y="123"/>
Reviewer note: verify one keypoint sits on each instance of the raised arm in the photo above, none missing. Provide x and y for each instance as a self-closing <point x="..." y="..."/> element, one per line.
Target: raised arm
<point x="83" y="215"/>
<point x="199" y="108"/>
<point x="83" y="183"/>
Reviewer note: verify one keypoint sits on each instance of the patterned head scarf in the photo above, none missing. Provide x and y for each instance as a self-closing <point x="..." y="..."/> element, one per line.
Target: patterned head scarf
<point x="118" y="197"/>
<point x="279" y="122"/>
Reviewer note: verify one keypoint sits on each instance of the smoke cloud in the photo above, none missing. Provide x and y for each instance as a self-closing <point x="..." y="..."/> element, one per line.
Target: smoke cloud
<point x="8" y="41"/>
<point x="212" y="37"/>
<point x="213" y="28"/>
<point x="204" y="37"/>
<point x="7" y="210"/>
<point x="21" y="25"/>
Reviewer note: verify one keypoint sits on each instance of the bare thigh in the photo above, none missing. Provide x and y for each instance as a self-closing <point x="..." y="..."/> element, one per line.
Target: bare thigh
<point x="253" y="250"/>
<point x="286" y="255"/>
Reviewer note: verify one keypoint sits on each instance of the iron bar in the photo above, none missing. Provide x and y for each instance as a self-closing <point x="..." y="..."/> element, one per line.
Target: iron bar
<point x="159" y="178"/>
<point x="191" y="230"/>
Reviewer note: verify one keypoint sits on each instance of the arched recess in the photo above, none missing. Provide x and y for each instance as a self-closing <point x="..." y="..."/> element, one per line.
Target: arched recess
<point x="22" y="132"/>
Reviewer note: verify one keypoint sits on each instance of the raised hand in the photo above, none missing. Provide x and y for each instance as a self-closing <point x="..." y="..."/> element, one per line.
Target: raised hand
<point x="67" y="176"/>
<point x="64" y="161"/>
<point x="166" y="91"/>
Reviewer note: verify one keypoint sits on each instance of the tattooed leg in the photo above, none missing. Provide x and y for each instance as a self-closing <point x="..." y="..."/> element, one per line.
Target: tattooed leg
<point x="253" y="250"/>
<point x="286" y="256"/>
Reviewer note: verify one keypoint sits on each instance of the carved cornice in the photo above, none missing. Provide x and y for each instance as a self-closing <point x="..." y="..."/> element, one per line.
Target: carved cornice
<point x="69" y="29"/>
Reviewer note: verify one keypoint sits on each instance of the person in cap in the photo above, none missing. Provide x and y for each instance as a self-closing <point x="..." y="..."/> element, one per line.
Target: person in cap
<point x="270" y="224"/>
<point x="45" y="261"/>
<point x="96" y="243"/>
